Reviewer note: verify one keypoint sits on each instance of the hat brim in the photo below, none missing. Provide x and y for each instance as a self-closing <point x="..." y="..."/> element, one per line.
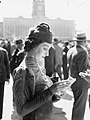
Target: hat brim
<point x="80" y="39"/>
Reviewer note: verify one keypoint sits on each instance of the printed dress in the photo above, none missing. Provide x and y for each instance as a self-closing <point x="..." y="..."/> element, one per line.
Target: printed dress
<point x="36" y="94"/>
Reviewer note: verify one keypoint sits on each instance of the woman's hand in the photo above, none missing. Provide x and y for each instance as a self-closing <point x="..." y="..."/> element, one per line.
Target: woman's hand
<point x="58" y="87"/>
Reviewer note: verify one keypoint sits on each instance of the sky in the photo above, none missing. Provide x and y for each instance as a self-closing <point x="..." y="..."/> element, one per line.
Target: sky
<point x="77" y="10"/>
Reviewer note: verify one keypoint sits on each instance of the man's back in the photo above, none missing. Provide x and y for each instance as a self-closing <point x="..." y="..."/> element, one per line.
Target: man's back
<point x="4" y="65"/>
<point x="50" y="62"/>
<point x="77" y="63"/>
<point x="59" y="53"/>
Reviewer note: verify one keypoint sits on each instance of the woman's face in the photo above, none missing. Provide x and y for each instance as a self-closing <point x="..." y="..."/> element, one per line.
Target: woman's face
<point x="43" y="50"/>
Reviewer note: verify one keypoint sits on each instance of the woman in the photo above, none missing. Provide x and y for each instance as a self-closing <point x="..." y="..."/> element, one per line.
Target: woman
<point x="34" y="90"/>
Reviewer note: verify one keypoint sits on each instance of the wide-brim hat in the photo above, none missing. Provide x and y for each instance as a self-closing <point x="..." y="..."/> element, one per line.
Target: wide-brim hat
<point x="81" y="37"/>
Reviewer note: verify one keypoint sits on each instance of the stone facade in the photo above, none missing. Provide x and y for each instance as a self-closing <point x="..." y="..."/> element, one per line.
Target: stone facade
<point x="19" y="27"/>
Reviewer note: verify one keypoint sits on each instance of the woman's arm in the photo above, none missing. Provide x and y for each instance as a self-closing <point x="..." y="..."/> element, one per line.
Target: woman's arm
<point x="24" y="90"/>
<point x="26" y="99"/>
<point x="35" y="103"/>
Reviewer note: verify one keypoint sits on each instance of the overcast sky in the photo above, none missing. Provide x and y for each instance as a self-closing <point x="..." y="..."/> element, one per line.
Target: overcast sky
<point x="77" y="10"/>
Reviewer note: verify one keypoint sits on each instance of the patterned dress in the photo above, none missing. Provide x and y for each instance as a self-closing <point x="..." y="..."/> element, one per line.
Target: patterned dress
<point x="36" y="94"/>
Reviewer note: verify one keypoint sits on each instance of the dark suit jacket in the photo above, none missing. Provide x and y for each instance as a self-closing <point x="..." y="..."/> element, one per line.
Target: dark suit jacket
<point x="16" y="59"/>
<point x="50" y="62"/>
<point x="78" y="62"/>
<point x="4" y="65"/>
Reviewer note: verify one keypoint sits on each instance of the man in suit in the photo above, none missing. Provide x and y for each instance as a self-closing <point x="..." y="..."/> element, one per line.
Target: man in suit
<point x="4" y="75"/>
<point x="59" y="54"/>
<point x="78" y="62"/>
<point x="18" y="55"/>
<point x="64" y="60"/>
<point x="50" y="62"/>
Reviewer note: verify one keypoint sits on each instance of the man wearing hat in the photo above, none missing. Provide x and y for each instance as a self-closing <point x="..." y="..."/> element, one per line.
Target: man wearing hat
<point x="78" y="62"/>
<point x="18" y="55"/>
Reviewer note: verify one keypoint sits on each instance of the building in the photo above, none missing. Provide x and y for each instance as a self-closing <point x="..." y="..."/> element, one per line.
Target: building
<point x="19" y="27"/>
<point x="1" y="30"/>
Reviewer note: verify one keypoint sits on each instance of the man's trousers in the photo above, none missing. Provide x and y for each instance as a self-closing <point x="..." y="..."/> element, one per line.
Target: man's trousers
<point x="1" y="98"/>
<point x="80" y="98"/>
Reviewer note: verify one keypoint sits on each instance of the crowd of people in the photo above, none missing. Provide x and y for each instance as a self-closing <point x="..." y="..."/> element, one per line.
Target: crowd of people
<point x="37" y="65"/>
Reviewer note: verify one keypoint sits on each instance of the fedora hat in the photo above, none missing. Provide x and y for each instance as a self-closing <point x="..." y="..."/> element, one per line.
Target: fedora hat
<point x="81" y="37"/>
<point x="19" y="41"/>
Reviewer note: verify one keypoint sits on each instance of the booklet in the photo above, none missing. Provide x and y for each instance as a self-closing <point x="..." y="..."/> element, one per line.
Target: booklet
<point x="67" y="83"/>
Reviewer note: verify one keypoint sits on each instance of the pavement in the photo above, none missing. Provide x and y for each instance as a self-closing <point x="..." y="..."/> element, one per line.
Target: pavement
<point x="65" y="103"/>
